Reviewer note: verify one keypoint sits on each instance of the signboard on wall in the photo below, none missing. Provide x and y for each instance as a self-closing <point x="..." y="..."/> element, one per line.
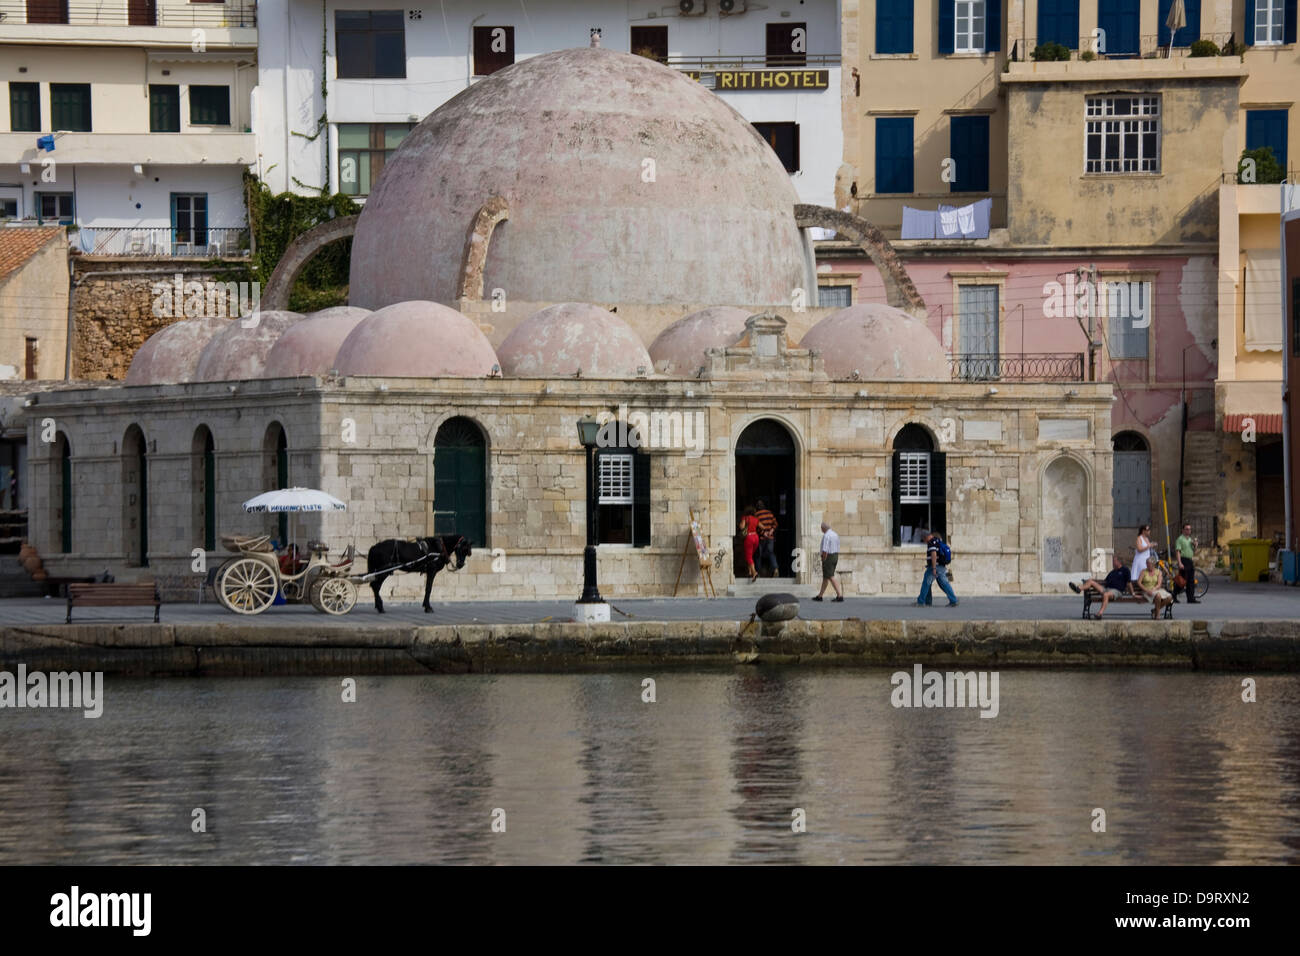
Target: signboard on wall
<point x="767" y="79"/>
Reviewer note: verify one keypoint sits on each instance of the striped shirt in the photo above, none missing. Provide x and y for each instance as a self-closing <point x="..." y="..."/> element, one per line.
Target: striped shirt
<point x="766" y="522"/>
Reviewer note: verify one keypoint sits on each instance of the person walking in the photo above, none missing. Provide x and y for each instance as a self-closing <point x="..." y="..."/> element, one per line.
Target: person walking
<point x="1185" y="545"/>
<point x="1141" y="552"/>
<point x="935" y="570"/>
<point x="830" y="552"/>
<point x="749" y="528"/>
<point x="766" y="539"/>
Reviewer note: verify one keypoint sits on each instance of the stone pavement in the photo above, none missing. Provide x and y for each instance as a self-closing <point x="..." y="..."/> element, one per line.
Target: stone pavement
<point x="1226" y="601"/>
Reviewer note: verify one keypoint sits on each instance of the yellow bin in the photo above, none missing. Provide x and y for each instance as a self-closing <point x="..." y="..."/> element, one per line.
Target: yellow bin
<point x="1249" y="558"/>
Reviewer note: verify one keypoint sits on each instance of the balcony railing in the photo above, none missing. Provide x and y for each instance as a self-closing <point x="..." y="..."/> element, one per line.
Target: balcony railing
<point x="1149" y="47"/>
<point x="225" y="242"/>
<point x="133" y="13"/>
<point x="1019" y="367"/>
<point x="753" y="61"/>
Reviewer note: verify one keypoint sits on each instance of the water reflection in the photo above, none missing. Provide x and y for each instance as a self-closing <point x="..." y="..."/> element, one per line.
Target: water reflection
<point x="587" y="772"/>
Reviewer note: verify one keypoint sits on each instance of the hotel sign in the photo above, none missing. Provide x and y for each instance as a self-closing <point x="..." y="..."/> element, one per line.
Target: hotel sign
<point x="767" y="79"/>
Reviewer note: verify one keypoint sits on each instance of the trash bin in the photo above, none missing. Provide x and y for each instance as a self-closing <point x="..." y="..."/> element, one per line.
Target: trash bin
<point x="1249" y="558"/>
<point x="1290" y="562"/>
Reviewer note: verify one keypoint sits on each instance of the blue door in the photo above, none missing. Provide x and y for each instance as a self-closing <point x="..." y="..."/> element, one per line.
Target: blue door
<point x="1121" y="19"/>
<point x="1185" y="35"/>
<point x="1267" y="128"/>
<point x="1058" y="22"/>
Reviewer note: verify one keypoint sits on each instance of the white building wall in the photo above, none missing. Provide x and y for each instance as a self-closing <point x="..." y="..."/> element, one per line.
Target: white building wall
<point x="439" y="64"/>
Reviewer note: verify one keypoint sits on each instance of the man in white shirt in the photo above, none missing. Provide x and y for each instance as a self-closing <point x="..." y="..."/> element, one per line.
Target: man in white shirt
<point x="830" y="549"/>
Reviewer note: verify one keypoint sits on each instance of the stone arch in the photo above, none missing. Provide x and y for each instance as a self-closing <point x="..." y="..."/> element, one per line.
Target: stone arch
<point x="900" y="291"/>
<point x="474" y="261"/>
<point x="1065" y="492"/>
<point x="300" y="252"/>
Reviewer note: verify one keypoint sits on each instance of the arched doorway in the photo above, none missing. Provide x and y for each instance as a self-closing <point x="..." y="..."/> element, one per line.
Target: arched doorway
<point x="918" y="486"/>
<point x="1064" y="545"/>
<point x="1131" y="486"/>
<point x="61" y="491"/>
<point x="203" y="480"/>
<point x="275" y="470"/>
<point x="765" y="469"/>
<point x="460" y="481"/>
<point x="135" y="499"/>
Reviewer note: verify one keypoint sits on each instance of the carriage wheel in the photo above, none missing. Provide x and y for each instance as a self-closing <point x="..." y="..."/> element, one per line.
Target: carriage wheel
<point x="216" y="582"/>
<point x="248" y="586"/>
<point x="334" y="595"/>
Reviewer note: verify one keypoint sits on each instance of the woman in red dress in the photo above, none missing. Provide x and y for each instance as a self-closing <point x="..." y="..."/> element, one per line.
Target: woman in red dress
<point x="749" y="528"/>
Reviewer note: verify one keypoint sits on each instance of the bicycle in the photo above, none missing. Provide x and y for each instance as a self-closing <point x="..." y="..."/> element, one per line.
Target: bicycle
<point x="1199" y="585"/>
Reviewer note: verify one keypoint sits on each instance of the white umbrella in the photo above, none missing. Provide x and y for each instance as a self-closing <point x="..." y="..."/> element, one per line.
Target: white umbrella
<point x="1176" y="20"/>
<point x="293" y="499"/>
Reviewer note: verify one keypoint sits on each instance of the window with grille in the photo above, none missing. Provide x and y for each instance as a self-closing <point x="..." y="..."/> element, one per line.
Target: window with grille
<point x="914" y="477"/>
<point x="615" y="480"/>
<point x="970" y="26"/>
<point x="835" y="296"/>
<point x="1127" y="308"/>
<point x="977" y="323"/>
<point x="1122" y="134"/>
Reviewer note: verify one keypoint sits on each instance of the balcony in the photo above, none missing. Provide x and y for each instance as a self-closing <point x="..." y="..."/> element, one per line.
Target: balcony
<point x="1018" y="367"/>
<point x="211" y="148"/>
<point x="213" y="242"/>
<point x="1149" y="61"/>
<point x="233" y="23"/>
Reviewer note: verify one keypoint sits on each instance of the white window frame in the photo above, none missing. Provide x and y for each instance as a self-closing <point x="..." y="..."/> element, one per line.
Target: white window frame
<point x="914" y="478"/>
<point x="972" y="12"/>
<point x="614" y="480"/>
<point x="1100" y="119"/>
<point x="1273" y="14"/>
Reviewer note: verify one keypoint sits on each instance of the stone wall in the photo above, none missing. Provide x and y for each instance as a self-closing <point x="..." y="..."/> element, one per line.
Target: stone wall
<point x="114" y="311"/>
<point x="997" y="455"/>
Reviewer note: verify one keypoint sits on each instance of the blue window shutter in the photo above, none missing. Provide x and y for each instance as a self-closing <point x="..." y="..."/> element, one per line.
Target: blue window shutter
<point x="894" y="154"/>
<point x="993" y="25"/>
<point x="1250" y="23"/>
<point x="903" y="27"/>
<point x="1268" y="128"/>
<point x="1058" y="22"/>
<point x="885" y="26"/>
<point x="1187" y="34"/>
<point x="894" y="26"/>
<point x="1288" y="21"/>
<point x="969" y="145"/>
<point x="947" y="25"/>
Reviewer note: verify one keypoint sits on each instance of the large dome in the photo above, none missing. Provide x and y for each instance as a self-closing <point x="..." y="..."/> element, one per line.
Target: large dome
<point x="561" y="340"/>
<point x="878" y="342"/>
<point x="171" y="354"/>
<point x="679" y="349"/>
<point x="562" y="138"/>
<point x="416" y="340"/>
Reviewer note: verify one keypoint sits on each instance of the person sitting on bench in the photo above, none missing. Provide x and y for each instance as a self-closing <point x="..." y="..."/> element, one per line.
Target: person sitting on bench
<point x="1115" y="585"/>
<point x="1151" y="583"/>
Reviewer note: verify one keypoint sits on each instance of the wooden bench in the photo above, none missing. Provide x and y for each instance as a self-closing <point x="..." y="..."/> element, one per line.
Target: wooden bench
<point x="114" y="595"/>
<point x="1091" y="597"/>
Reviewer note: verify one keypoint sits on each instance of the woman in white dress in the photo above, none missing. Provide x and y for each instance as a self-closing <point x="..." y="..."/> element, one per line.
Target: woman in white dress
<point x="1141" y="552"/>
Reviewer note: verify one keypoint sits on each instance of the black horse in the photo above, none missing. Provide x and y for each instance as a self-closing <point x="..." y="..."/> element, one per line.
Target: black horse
<point x="426" y="556"/>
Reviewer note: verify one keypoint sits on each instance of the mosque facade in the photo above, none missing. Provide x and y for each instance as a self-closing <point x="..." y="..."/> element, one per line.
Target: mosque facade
<point x="514" y="270"/>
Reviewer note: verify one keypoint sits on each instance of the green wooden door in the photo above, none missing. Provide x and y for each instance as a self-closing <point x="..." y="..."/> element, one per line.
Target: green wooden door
<point x="460" y="482"/>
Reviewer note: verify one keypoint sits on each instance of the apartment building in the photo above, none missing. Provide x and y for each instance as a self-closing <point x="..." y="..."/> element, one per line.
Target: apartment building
<point x="1059" y="206"/>
<point x="342" y="82"/>
<point x="130" y="121"/>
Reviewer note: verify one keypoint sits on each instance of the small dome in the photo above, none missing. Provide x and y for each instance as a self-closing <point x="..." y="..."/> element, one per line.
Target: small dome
<point x="561" y="339"/>
<point x="679" y="349"/>
<point x="238" y="352"/>
<point x="880" y="342"/>
<point x="416" y="340"/>
<point x="308" y="347"/>
<point x="171" y="355"/>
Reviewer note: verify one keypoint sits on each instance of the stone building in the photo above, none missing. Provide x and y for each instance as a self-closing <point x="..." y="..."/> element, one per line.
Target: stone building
<point x="438" y="412"/>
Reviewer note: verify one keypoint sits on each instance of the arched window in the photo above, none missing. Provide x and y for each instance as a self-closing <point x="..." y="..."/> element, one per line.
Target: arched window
<point x="1131" y="484"/>
<point x="275" y="470"/>
<point x="203" y="479"/>
<point x="622" y="488"/>
<point x="135" y="498"/>
<point x="460" y="481"/>
<point x="918" y="486"/>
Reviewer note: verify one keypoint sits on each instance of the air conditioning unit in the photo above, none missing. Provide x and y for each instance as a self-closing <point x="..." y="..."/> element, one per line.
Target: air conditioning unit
<point x="732" y="7"/>
<point x="691" y="8"/>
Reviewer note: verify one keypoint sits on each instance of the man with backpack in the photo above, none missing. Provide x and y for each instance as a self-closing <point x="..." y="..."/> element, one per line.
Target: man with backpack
<point x="937" y="558"/>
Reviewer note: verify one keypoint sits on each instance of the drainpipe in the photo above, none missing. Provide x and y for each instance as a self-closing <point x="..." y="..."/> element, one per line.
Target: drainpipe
<point x="72" y="317"/>
<point x="1287" y="359"/>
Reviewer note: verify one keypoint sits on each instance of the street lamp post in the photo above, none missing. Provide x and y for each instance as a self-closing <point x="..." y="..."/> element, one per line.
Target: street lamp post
<point x="591" y="606"/>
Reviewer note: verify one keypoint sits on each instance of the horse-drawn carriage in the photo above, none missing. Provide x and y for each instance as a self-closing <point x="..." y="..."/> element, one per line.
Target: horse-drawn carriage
<point x="249" y="582"/>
